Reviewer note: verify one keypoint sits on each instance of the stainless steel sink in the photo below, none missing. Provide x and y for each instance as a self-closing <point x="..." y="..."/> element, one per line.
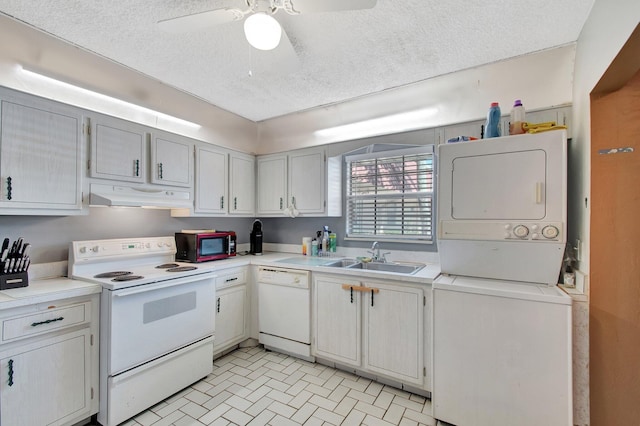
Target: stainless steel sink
<point x="342" y="263"/>
<point x="387" y="267"/>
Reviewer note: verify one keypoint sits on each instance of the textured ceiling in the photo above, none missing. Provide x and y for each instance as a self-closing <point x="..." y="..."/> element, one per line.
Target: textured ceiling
<point x="341" y="55"/>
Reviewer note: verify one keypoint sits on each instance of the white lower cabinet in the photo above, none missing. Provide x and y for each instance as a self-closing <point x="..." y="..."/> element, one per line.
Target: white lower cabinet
<point x="49" y="372"/>
<point x="232" y="312"/>
<point x="46" y="384"/>
<point x="373" y="326"/>
<point x="336" y="324"/>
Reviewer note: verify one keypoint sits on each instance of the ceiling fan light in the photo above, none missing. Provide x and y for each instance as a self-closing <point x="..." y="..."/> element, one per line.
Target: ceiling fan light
<point x="262" y="31"/>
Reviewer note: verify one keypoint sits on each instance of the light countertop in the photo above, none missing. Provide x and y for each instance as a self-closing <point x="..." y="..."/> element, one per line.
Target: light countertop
<point x="46" y="290"/>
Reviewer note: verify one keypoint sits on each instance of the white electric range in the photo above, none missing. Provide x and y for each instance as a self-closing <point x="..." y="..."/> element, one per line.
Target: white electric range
<point x="157" y="320"/>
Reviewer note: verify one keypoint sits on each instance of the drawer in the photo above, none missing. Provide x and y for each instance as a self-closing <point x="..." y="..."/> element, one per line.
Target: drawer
<point x="45" y="321"/>
<point x="231" y="277"/>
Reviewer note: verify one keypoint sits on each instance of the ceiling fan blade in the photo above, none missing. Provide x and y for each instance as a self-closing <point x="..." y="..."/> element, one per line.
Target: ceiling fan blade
<point x="200" y="21"/>
<point x="311" y="6"/>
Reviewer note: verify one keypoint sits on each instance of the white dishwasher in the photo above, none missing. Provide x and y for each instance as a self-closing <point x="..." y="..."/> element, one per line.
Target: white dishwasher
<point x="284" y="312"/>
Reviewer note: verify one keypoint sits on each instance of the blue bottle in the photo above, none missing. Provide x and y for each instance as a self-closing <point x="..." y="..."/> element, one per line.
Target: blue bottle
<point x="492" y="126"/>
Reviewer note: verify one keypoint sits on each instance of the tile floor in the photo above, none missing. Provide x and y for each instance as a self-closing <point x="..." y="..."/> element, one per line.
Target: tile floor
<point x="251" y="386"/>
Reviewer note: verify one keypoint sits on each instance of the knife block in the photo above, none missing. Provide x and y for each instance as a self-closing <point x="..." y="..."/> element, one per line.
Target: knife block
<point x="15" y="280"/>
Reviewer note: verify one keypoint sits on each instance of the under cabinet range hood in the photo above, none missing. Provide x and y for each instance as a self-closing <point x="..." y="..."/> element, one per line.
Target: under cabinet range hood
<point x="127" y="196"/>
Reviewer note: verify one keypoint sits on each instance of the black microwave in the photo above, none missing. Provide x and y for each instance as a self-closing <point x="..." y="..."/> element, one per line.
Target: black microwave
<point x="205" y="246"/>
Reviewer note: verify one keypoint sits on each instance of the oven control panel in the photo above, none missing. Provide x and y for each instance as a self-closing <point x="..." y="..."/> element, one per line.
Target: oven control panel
<point x="84" y="250"/>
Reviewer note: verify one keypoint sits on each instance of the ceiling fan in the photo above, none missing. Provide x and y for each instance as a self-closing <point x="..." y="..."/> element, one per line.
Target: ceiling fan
<point x="260" y="27"/>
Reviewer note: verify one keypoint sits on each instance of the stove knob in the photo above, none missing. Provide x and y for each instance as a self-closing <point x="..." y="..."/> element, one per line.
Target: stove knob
<point x="521" y="231"/>
<point x="147" y="245"/>
<point x="535" y="236"/>
<point x="82" y="249"/>
<point x="160" y="245"/>
<point x="95" y="249"/>
<point x="534" y="227"/>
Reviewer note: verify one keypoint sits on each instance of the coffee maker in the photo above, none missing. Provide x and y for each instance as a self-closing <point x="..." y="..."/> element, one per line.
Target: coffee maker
<point x="255" y="238"/>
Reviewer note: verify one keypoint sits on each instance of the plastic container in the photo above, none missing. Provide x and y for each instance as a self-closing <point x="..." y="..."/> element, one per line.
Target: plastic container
<point x="314" y="247"/>
<point x="517" y="118"/>
<point x="492" y="125"/>
<point x="306" y="246"/>
<point x="333" y="242"/>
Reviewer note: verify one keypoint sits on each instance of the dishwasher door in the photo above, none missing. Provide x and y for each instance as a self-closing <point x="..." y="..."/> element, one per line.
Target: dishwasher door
<point x="284" y="313"/>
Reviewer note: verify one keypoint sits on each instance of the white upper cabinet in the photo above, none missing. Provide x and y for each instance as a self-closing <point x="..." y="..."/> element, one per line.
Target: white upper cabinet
<point x="41" y="146"/>
<point x="224" y="183"/>
<point x="242" y="189"/>
<point x="297" y="184"/>
<point x="212" y="180"/>
<point x="306" y="183"/>
<point x="118" y="149"/>
<point x="171" y="159"/>
<point x="272" y="185"/>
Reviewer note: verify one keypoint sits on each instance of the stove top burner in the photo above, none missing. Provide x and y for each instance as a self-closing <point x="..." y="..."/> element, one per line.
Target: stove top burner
<point x="167" y="266"/>
<point x="182" y="269"/>
<point x="127" y="278"/>
<point x="112" y="274"/>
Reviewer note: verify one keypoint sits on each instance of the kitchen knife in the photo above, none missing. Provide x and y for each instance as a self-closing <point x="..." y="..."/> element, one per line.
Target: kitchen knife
<point x="19" y="245"/>
<point x="5" y="254"/>
<point x="10" y="263"/>
<point x="13" y="248"/>
<point x="25" y="250"/>
<point x="5" y="245"/>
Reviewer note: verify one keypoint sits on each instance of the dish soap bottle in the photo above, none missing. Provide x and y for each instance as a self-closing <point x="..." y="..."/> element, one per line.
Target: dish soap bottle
<point x="492" y="126"/>
<point x="517" y="118"/>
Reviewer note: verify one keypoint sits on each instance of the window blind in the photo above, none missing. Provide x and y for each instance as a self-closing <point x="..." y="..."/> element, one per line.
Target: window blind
<point x="390" y="195"/>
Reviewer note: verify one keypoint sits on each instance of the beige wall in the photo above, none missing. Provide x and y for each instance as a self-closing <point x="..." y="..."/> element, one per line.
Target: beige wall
<point x="605" y="32"/>
<point x="24" y="46"/>
<point x="541" y="80"/>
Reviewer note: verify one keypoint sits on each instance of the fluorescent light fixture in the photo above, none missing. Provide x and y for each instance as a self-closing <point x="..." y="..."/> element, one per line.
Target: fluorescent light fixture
<point x="102" y="97"/>
<point x="262" y="31"/>
<point x="402" y="122"/>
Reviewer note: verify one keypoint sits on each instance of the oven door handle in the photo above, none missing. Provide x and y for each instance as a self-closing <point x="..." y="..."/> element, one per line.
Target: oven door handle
<point x="171" y="283"/>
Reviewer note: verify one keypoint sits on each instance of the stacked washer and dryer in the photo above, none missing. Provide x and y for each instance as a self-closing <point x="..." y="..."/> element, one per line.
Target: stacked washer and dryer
<point x="502" y="328"/>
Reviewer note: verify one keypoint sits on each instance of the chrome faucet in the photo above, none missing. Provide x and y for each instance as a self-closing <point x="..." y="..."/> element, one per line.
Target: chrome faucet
<point x="375" y="253"/>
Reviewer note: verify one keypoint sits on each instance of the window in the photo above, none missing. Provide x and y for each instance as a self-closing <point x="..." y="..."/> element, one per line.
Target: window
<point x="390" y="195"/>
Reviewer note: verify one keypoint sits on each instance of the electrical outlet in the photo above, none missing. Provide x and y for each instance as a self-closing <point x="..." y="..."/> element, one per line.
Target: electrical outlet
<point x="578" y="250"/>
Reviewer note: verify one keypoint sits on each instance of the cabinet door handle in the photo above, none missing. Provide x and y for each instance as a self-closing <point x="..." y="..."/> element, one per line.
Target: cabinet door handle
<point x="235" y="203"/>
<point x="9" y="188"/>
<point x="360" y="288"/>
<point x="228" y="280"/>
<point x="372" y="296"/>
<point x="293" y="201"/>
<point x="136" y="167"/>
<point x="280" y="203"/>
<point x="218" y="306"/>
<point x="49" y="321"/>
<point x="10" y="381"/>
<point x="160" y="170"/>
<point x="222" y="202"/>
<point x="351" y="294"/>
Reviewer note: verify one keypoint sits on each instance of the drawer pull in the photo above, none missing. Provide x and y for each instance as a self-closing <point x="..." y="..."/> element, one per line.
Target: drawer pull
<point x="10" y="381"/>
<point x="35" y="324"/>
<point x="230" y="279"/>
<point x="218" y="307"/>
